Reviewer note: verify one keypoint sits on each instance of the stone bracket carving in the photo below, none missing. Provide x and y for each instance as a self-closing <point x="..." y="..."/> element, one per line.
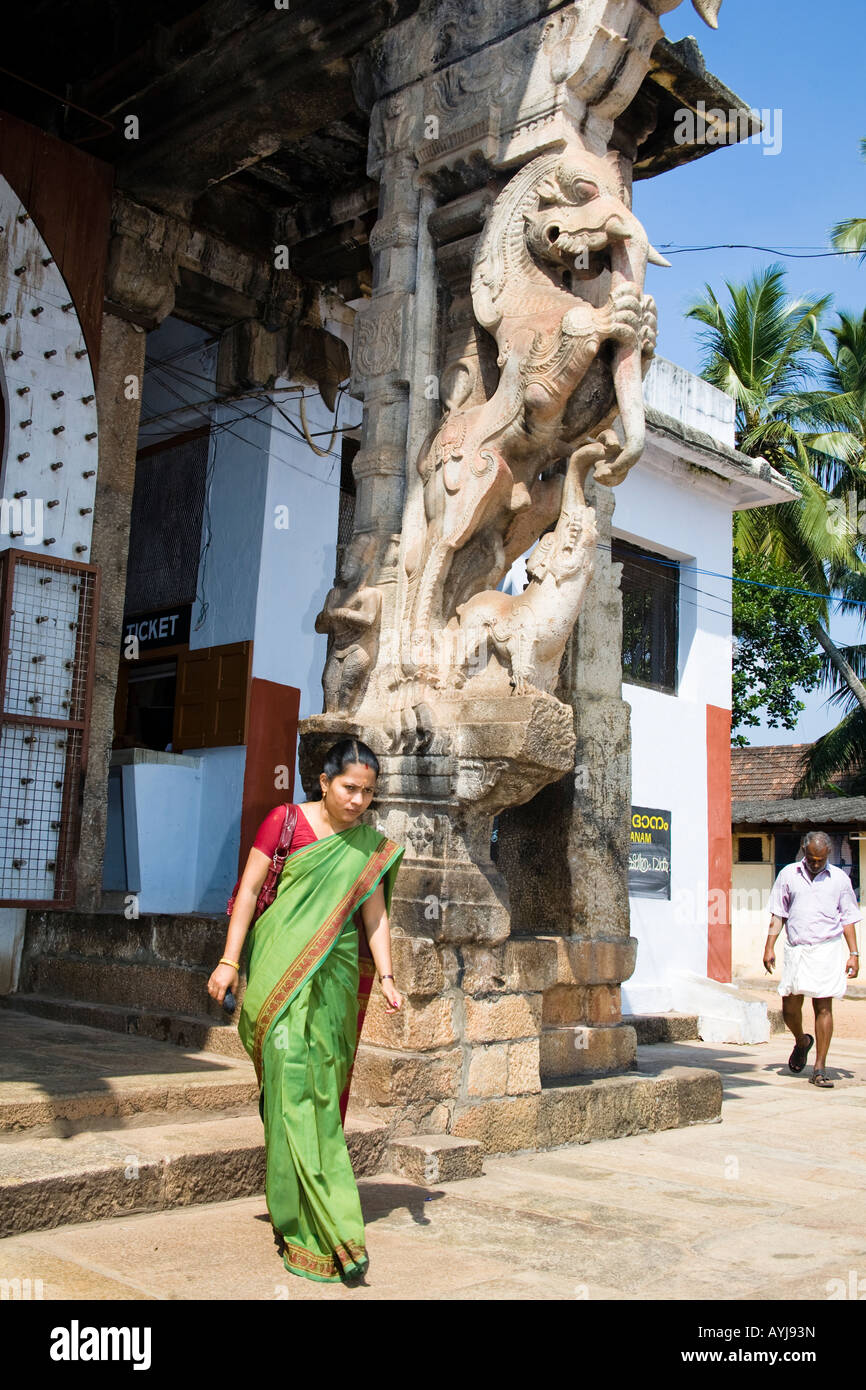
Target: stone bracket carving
<point x="382" y="342"/>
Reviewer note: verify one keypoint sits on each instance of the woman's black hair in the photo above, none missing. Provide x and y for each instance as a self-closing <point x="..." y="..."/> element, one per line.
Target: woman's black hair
<point x="346" y="752"/>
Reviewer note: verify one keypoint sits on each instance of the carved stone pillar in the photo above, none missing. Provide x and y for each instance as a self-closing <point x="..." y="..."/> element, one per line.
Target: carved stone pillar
<point x="565" y="853"/>
<point x="502" y="340"/>
<point x="139" y="293"/>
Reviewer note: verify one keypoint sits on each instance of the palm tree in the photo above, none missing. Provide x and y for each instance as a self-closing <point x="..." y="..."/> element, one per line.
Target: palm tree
<point x="803" y="408"/>
<point x="850" y="235"/>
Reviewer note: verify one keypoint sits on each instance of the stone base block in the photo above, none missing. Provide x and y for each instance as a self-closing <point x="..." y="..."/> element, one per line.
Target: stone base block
<point x="602" y="1108"/>
<point x="597" y="960"/>
<point x="386" y="1076"/>
<point x="435" y="1158"/>
<point x="587" y="1004"/>
<point x="663" y="1028"/>
<point x="578" y="1051"/>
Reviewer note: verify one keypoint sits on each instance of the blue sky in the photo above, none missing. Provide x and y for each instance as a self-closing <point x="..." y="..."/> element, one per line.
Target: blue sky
<point x="804" y="63"/>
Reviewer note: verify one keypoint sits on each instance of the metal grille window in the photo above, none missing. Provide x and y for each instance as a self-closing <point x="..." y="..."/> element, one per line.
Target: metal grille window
<point x="165" y="524"/>
<point x="650" y="617"/>
<point x="48" y="611"/>
<point x="346" y="514"/>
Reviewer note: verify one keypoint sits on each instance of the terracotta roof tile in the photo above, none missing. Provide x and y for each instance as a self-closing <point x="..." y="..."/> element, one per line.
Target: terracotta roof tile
<point x="769" y="772"/>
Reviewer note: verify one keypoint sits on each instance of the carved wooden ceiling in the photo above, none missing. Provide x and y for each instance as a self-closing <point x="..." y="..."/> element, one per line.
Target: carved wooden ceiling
<point x="249" y="123"/>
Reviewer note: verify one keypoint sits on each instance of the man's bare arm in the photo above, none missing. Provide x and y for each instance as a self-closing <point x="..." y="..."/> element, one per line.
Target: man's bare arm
<point x="776" y="925"/>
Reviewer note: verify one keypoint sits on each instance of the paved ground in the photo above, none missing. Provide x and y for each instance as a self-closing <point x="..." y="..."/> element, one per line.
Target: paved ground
<point x="770" y="1203"/>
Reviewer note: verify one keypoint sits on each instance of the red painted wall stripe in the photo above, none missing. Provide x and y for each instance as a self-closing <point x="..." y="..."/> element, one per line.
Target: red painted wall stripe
<point x="719" y="857"/>
<point x="272" y="741"/>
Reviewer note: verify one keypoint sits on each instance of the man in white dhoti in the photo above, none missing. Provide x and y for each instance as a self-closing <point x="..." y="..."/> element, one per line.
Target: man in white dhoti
<point x="816" y="904"/>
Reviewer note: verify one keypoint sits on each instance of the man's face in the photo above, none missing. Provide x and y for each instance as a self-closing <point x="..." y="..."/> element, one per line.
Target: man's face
<point x="816" y="857"/>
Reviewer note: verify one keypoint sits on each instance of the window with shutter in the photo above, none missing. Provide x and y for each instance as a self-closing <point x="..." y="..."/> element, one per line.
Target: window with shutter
<point x="212" y="697"/>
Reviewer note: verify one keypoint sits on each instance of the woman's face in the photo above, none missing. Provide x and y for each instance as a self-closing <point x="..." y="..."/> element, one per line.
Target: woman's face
<point x="349" y="793"/>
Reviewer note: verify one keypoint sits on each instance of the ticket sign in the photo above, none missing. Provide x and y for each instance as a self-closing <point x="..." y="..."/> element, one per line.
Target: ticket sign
<point x="166" y="628"/>
<point x="649" y="858"/>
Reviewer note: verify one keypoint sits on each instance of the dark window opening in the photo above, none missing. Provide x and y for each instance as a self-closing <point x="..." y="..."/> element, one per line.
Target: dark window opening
<point x="787" y="849"/>
<point x="346" y="514"/>
<point x="150" y="706"/>
<point x="166" y="524"/>
<point x="750" y="849"/>
<point x="650" y="617"/>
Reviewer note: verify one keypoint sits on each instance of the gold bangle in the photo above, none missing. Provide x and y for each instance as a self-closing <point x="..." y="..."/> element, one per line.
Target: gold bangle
<point x="235" y="965"/>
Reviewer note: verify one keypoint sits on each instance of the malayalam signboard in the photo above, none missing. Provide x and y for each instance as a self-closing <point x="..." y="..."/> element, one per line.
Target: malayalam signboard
<point x="649" y="858"/>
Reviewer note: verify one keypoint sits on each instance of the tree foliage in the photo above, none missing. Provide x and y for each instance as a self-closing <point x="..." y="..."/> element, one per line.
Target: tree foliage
<point x="774" y="651"/>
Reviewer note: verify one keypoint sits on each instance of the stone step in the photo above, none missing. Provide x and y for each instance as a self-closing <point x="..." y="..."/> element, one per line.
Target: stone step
<point x="676" y="1027"/>
<point x="68" y="1076"/>
<point x="195" y="1033"/>
<point x="156" y="939"/>
<point x="605" y="1107"/>
<point x="49" y="1181"/>
<point x="584" y="1049"/>
<point x="96" y="1123"/>
<point x="177" y="989"/>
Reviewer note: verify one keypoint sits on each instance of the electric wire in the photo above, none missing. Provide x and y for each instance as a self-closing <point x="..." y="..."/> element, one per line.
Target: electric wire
<point x="798" y="255"/>
<point x="660" y="560"/>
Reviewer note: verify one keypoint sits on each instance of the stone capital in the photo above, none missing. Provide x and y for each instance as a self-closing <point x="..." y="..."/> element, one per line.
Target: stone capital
<point x="141" y="274"/>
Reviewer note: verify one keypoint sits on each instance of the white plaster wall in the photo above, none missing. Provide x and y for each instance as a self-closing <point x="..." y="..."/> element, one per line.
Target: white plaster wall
<point x="54" y="393"/>
<point x="219" y="826"/>
<point x="297" y="562"/>
<point x="669" y="732"/>
<point x="669" y="771"/>
<point x="162" y="812"/>
<point x="228" y="575"/>
<point x="750" y="918"/>
<point x="689" y="398"/>
<point x="689" y="525"/>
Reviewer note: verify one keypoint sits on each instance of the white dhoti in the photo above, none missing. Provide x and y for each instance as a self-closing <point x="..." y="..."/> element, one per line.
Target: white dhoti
<point x="818" y="971"/>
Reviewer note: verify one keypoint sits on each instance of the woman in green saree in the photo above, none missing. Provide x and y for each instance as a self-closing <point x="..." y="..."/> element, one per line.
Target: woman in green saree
<point x="314" y="951"/>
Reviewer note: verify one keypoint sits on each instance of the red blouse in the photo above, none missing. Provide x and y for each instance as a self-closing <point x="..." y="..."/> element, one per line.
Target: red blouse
<point x="268" y="836"/>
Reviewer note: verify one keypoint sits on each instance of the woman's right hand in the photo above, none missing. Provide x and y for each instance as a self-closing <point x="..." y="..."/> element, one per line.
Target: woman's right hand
<point x="223" y="978"/>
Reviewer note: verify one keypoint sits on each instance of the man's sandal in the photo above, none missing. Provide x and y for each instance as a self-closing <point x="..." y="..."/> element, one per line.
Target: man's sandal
<point x="797" y="1059"/>
<point x="820" y="1078"/>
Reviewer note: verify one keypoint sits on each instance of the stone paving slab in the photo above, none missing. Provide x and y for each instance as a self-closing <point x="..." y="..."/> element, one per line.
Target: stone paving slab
<point x="60" y="1071"/>
<point x="49" y="1181"/>
<point x="653" y="1216"/>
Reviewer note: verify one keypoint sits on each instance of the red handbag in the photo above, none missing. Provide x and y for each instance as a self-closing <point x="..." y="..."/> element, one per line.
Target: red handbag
<point x="269" y="887"/>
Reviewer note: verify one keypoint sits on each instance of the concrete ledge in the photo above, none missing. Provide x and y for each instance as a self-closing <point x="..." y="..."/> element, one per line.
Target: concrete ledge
<point x="433" y="1158"/>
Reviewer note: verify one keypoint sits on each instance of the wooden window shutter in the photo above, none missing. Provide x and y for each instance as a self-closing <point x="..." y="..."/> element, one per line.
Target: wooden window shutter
<point x="212" y="697"/>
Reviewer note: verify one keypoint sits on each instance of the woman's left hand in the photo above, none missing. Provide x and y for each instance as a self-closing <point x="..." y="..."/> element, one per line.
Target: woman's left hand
<point x="393" y="996"/>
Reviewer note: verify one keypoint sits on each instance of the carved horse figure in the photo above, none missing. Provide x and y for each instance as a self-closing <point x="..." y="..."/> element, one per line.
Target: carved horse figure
<point x="558" y="273"/>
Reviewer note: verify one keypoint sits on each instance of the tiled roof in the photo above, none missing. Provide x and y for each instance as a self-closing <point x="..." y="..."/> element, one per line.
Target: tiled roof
<point x="771" y="772"/>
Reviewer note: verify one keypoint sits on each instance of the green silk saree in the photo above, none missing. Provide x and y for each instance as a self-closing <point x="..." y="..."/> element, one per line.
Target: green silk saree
<point x="300" y="1025"/>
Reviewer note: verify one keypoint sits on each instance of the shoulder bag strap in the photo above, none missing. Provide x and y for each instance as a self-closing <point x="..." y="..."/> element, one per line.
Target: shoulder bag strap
<point x="286" y="836"/>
